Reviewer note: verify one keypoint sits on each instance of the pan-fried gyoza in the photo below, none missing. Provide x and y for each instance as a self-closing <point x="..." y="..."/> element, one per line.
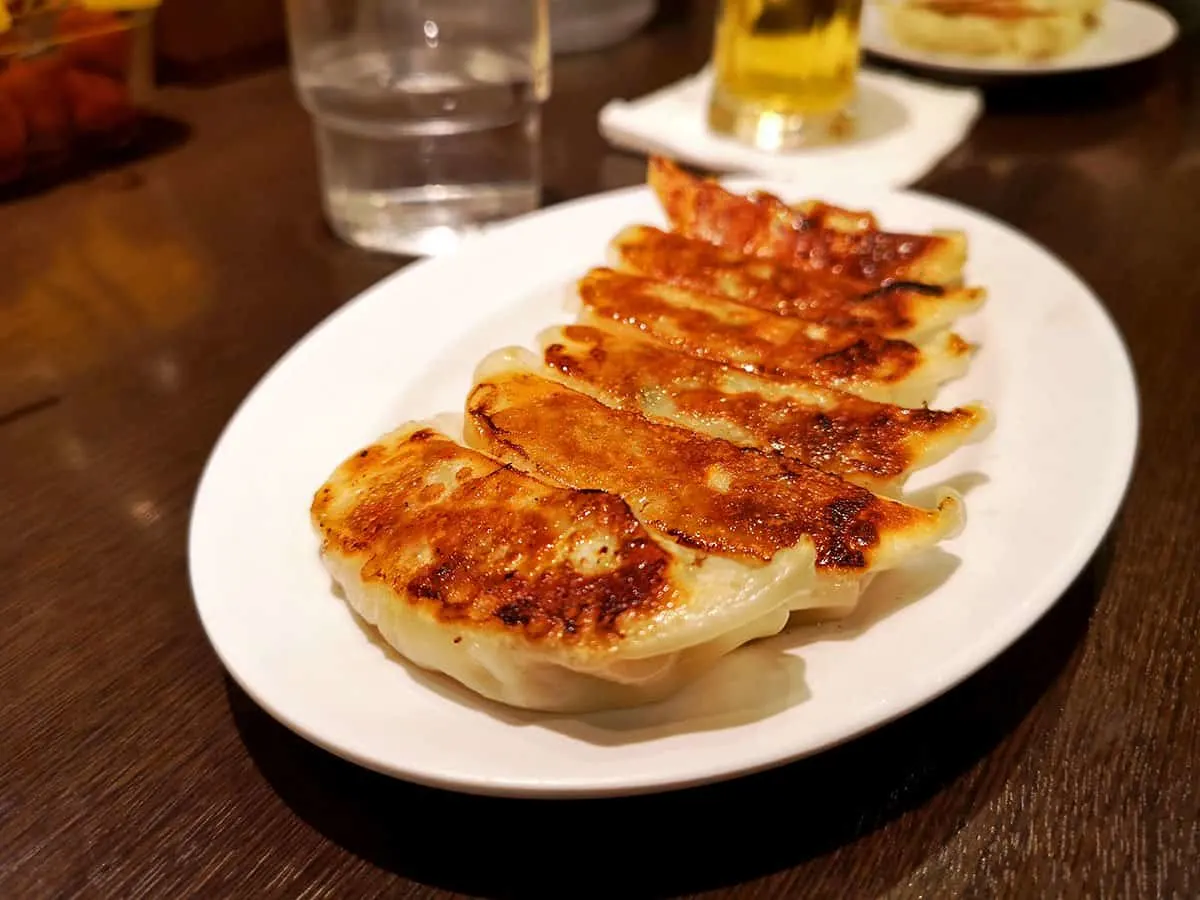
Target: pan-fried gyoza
<point x="853" y="360"/>
<point x="763" y="225"/>
<point x="532" y="594"/>
<point x="901" y="310"/>
<point x="704" y="492"/>
<point x="711" y="448"/>
<point x="876" y="445"/>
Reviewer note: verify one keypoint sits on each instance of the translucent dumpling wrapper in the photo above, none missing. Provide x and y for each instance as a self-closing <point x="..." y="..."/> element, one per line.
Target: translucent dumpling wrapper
<point x="705" y="493"/>
<point x="533" y="594"/>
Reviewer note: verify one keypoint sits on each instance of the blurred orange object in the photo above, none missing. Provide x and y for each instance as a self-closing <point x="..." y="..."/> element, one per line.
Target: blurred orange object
<point x="12" y="140"/>
<point x="100" y="41"/>
<point x="37" y="90"/>
<point x="69" y="80"/>
<point x="98" y="104"/>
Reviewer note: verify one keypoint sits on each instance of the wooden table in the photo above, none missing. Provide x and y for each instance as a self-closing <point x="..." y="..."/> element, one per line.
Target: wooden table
<point x="140" y="305"/>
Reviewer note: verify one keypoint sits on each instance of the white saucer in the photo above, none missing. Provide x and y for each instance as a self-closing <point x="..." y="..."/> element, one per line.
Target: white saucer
<point x="1129" y="30"/>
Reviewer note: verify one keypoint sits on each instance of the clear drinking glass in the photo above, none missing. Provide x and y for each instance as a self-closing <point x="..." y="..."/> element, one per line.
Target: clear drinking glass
<point x="427" y="113"/>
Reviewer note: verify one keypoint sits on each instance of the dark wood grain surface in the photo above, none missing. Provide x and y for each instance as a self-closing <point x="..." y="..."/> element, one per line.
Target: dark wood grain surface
<point x="139" y="305"/>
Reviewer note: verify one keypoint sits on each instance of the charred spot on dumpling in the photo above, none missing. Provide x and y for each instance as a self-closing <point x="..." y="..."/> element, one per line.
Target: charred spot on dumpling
<point x="475" y="542"/>
<point x="708" y="495"/>
<point x="866" y="441"/>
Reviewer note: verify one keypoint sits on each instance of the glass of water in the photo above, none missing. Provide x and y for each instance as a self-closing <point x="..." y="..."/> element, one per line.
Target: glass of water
<point x="427" y="114"/>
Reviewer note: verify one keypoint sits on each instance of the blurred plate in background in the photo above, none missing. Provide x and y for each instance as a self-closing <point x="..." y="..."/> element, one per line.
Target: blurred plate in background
<point x="1129" y="30"/>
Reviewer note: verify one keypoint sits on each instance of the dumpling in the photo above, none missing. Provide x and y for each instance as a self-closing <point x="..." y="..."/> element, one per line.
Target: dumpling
<point x="900" y="310"/>
<point x="819" y="214"/>
<point x="531" y="594"/>
<point x="762" y="225"/>
<point x="704" y="493"/>
<point x="875" y="445"/>
<point x="858" y="362"/>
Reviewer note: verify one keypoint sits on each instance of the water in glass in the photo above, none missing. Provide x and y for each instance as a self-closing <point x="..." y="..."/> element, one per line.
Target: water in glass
<point x="421" y="141"/>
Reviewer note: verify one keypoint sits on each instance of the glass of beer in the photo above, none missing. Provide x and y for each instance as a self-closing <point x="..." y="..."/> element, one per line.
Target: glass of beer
<point x="784" y="71"/>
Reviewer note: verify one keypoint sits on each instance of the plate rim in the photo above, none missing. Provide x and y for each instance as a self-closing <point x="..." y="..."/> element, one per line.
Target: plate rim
<point x="1017" y="624"/>
<point x="935" y="62"/>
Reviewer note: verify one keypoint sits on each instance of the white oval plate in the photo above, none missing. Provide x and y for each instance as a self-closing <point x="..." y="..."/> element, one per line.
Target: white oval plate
<point x="1041" y="491"/>
<point x="1129" y="30"/>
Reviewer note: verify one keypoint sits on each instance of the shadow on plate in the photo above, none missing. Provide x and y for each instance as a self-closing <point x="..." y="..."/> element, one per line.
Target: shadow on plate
<point x="887" y="594"/>
<point x="707" y="837"/>
<point x="752" y="684"/>
<point x="701" y="838"/>
<point x="758" y="681"/>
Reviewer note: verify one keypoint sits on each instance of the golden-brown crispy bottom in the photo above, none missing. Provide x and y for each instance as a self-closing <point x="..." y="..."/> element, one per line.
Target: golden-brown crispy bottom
<point x="705" y="493"/>
<point x="761" y="224"/>
<point x="872" y="444"/>
<point x="477" y="544"/>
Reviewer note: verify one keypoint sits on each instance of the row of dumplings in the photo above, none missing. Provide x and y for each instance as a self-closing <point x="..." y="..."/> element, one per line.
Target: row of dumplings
<point x="718" y="443"/>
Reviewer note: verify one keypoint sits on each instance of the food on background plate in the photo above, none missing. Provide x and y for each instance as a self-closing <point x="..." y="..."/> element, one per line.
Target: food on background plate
<point x="705" y="453"/>
<point x="876" y="445"/>
<point x="1017" y="29"/>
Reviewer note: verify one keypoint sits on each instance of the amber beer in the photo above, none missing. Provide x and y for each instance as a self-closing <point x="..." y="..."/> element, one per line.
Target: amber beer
<point x="784" y="70"/>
